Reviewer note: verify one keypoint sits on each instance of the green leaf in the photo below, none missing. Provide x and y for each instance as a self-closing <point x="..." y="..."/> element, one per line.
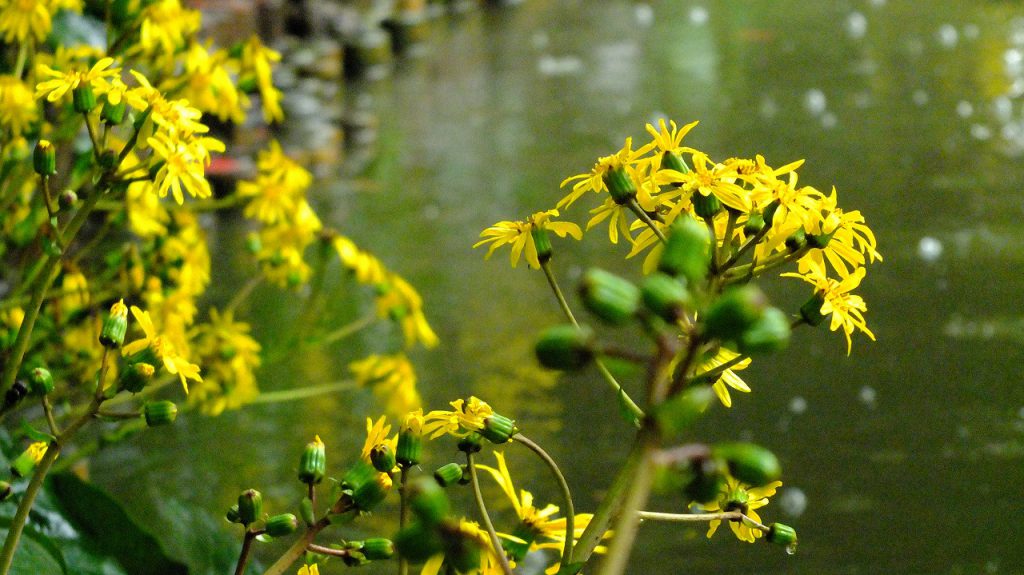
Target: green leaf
<point x="37" y="554"/>
<point x="111" y="531"/>
<point x="34" y="434"/>
<point x="208" y="544"/>
<point x="626" y="409"/>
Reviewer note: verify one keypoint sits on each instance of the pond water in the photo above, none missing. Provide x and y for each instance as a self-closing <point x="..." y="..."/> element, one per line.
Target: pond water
<point x="905" y="457"/>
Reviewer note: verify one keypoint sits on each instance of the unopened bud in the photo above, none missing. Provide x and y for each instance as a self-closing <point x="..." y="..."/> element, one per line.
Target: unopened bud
<point x="428" y="501"/>
<point x="565" y="347"/>
<point x="665" y="296"/>
<point x="498" y="429"/>
<point x="378" y="548"/>
<point x="754" y="224"/>
<point x="115" y="326"/>
<point x="471" y="443"/>
<point x="281" y="525"/>
<point x="135" y="377"/>
<point x="448" y="474"/>
<point x="67" y="199"/>
<point x="796" y="241"/>
<point x="768" y="334"/>
<point x="680" y="411"/>
<point x="706" y="481"/>
<point x="782" y="535"/>
<point x="410" y="440"/>
<point x="160" y="412"/>
<point x="44" y="158"/>
<point x="686" y="251"/>
<point x="232" y="514"/>
<point x="734" y="312"/>
<point x="620" y="185"/>
<point x="84" y="98"/>
<point x="613" y="299"/>
<point x="24" y="464"/>
<point x="811" y="310"/>
<point x="113" y="114"/>
<point x="542" y="240"/>
<point x="382" y="457"/>
<point x="418" y="542"/>
<point x="250" y="506"/>
<point x="750" y="463"/>
<point x="313" y="464"/>
<point x="706" y="206"/>
<point x="41" y="381"/>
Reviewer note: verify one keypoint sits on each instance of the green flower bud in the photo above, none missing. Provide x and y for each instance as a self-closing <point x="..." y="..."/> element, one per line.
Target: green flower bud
<point x="313" y="464"/>
<point x="410" y="441"/>
<point x="613" y="299"/>
<point x="750" y="463"/>
<point x="41" y="381"/>
<point x="383" y="457"/>
<point x="811" y="310"/>
<point x="796" y="241"/>
<point x="620" y="185"/>
<point x="565" y="347"/>
<point x="114" y="326"/>
<point x="499" y="429"/>
<point x="250" y="506"/>
<point x="418" y="542"/>
<point x="135" y="377"/>
<point x="159" y="412"/>
<point x="67" y="199"/>
<point x="84" y="98"/>
<point x="306" y="511"/>
<point x="448" y="474"/>
<point x="680" y="411"/>
<point x="754" y="224"/>
<point x="673" y="161"/>
<point x="782" y="535"/>
<point x="706" y="206"/>
<point x="471" y="443"/>
<point x="113" y="114"/>
<point x="819" y="241"/>
<point x="378" y="548"/>
<point x="735" y="312"/>
<point x="665" y="296"/>
<point x="232" y="514"/>
<point x="687" y="252"/>
<point x="542" y="240"/>
<point x="707" y="480"/>
<point x="769" y="333"/>
<point x="281" y="525"/>
<point x="769" y="213"/>
<point x="5" y="491"/>
<point x="108" y="160"/>
<point x="44" y="158"/>
<point x="371" y="493"/>
<point x="427" y="500"/>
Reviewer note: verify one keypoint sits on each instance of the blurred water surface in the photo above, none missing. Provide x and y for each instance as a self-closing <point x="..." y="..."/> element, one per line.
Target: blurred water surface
<point x="906" y="457"/>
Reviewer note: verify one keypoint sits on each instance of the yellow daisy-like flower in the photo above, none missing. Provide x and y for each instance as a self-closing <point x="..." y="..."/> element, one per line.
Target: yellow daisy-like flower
<point x="412" y="422"/>
<point x="20" y="19"/>
<point x="367" y="268"/>
<point x="164" y="349"/>
<point x="728" y="378"/>
<point x="594" y="180"/>
<point x="489" y="562"/>
<point x="392" y="379"/>
<point x="184" y="165"/>
<point x="399" y="301"/>
<point x="63" y="82"/>
<point x="257" y="61"/>
<point x="736" y="496"/>
<point x="520" y="234"/>
<point x="166" y="26"/>
<point x="18" y="110"/>
<point x="849" y="240"/>
<point x="465" y="418"/>
<point x="377" y="434"/>
<point x="847" y="310"/>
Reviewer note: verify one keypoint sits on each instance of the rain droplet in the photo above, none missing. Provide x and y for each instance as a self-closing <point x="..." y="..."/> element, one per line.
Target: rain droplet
<point x="868" y="395"/>
<point x="981" y="132"/>
<point x="698" y="15"/>
<point x="798" y="405"/>
<point x="929" y="249"/>
<point x="792" y="501"/>
<point x="964" y="109"/>
<point x="856" y="25"/>
<point x="814" y="101"/>
<point x="948" y="35"/>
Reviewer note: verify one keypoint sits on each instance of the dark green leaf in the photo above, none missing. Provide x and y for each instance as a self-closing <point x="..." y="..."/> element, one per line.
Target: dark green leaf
<point x="36" y="554"/>
<point x="100" y="519"/>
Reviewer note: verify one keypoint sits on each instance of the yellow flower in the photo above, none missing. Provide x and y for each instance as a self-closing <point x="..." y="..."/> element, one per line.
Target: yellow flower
<point x="847" y="309"/>
<point x="670" y="141"/>
<point x="538" y="528"/>
<point x="76" y="292"/>
<point x="710" y="179"/>
<point x="64" y="82"/>
<point x="257" y="61"/>
<point x="37" y="451"/>
<point x="367" y="269"/>
<point x="465" y="418"/>
<point x="489" y="562"/>
<point x="520" y="235"/>
<point x="18" y="109"/>
<point x="164" y="349"/>
<point x="377" y="434"/>
<point x="412" y="422"/>
<point x="184" y="165"/>
<point x="736" y="496"/>
<point x="398" y="300"/>
<point x="392" y="379"/>
<point x="229" y="356"/>
<point x="849" y="240"/>
<point x="147" y="217"/>
<point x="210" y="87"/>
<point x="21" y="18"/>
<point x="309" y="570"/>
<point x="166" y="26"/>
<point x="594" y="180"/>
<point x="279" y="188"/>
<point x="728" y="378"/>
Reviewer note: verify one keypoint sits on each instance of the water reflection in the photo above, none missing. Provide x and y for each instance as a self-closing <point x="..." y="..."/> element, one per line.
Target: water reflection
<point x="898" y="459"/>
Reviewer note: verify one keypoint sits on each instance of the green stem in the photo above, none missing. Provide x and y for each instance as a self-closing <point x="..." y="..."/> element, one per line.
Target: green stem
<point x="570" y="512"/>
<point x="701" y="517"/>
<point x="243" y="293"/>
<point x="19" y="65"/>
<point x="640" y="213"/>
<point x="745" y="247"/>
<point x="730" y="227"/>
<point x="48" y="273"/>
<point x="346" y="330"/>
<point x="752" y="269"/>
<point x="96" y="146"/>
<point x="495" y="542"/>
<point x="403" y="515"/>
<point x="48" y="409"/>
<point x="625" y="400"/>
<point x="297" y="549"/>
<point x="635" y="497"/>
<point x="609" y="506"/>
<point x="710" y="223"/>
<point x="304" y="392"/>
